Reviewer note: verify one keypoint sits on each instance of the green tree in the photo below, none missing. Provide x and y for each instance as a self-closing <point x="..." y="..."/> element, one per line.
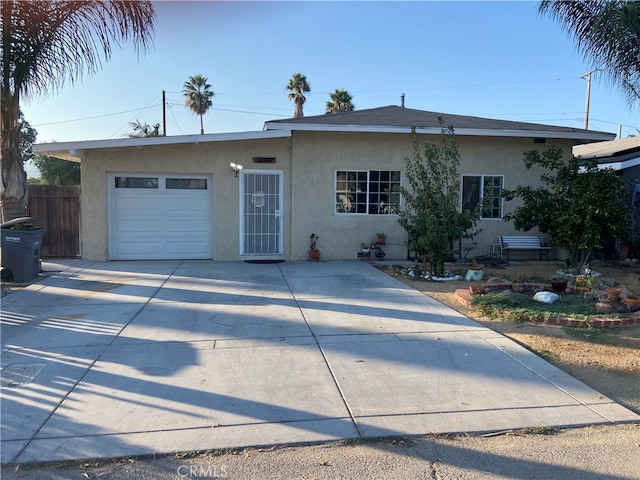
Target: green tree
<point x="579" y="205"/>
<point x="45" y="43"/>
<point x="341" y="101"/>
<point x="55" y="171"/>
<point x="197" y="96"/>
<point x="607" y="34"/>
<point x="430" y="212"/>
<point x="28" y="136"/>
<point x="142" y="130"/>
<point x="298" y="86"/>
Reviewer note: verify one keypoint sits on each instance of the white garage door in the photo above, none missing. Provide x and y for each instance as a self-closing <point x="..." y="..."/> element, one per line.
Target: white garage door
<point x="159" y="216"/>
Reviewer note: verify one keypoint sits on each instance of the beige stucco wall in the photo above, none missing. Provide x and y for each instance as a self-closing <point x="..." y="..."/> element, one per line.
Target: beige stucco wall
<point x="502" y="156"/>
<point x="208" y="159"/>
<point x="318" y="155"/>
<point x="309" y="161"/>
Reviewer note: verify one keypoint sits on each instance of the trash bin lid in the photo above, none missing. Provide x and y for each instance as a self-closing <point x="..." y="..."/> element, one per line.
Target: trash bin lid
<point x="18" y="221"/>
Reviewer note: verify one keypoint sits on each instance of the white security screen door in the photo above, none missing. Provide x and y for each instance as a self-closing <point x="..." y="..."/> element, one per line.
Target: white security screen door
<point x="261" y="209"/>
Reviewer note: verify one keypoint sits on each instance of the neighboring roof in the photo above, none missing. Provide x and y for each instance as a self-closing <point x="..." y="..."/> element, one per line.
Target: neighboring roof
<point x="395" y="119"/>
<point x="612" y="148"/>
<point x="616" y="154"/>
<point x="74" y="151"/>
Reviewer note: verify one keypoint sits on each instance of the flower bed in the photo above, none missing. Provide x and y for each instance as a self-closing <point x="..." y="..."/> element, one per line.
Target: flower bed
<point x="550" y="318"/>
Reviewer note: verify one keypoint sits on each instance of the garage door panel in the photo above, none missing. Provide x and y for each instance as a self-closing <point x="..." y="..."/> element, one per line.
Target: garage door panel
<point x="135" y="224"/>
<point x="195" y="225"/>
<point x="135" y="250"/>
<point x="160" y="223"/>
<point x="136" y="206"/>
<point x="185" y="250"/>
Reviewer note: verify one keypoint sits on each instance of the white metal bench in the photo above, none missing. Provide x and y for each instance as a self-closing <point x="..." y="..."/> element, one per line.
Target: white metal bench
<point x="523" y="242"/>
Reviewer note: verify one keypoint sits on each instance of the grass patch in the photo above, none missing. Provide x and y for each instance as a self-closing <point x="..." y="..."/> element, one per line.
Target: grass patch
<point x="393" y="440"/>
<point x="522" y="307"/>
<point x="538" y="431"/>
<point x="547" y="355"/>
<point x="589" y="333"/>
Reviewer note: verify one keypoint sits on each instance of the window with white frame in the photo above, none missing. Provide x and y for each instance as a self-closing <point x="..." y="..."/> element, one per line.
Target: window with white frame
<point x="485" y="190"/>
<point x="373" y="192"/>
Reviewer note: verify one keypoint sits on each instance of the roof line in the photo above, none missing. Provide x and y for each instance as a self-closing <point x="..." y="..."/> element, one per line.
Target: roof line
<point x="76" y="149"/>
<point x="483" y="132"/>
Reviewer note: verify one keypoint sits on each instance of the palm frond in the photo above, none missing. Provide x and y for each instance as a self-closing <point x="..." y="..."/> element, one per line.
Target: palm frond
<point x="47" y="43"/>
<point x="607" y="34"/>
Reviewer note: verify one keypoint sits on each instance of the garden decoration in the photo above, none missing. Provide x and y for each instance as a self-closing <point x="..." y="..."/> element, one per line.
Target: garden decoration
<point x="584" y="281"/>
<point x="314" y="253"/>
<point x="475" y="272"/>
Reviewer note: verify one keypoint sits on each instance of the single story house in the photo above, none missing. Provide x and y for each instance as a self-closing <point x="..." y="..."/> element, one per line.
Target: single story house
<point x="260" y="195"/>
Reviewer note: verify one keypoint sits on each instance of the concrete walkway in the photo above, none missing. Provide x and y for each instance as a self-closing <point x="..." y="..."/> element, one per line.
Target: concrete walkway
<point x="131" y="358"/>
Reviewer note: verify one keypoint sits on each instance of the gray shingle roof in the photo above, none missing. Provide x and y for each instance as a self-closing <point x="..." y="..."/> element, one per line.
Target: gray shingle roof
<point x="401" y="117"/>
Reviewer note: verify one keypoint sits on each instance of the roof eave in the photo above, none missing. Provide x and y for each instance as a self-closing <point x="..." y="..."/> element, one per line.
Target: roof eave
<point x="478" y="132"/>
<point x="621" y="164"/>
<point x="75" y="151"/>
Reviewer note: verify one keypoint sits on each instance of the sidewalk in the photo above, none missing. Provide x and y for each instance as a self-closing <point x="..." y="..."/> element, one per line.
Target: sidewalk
<point x="132" y="358"/>
<point x="590" y="453"/>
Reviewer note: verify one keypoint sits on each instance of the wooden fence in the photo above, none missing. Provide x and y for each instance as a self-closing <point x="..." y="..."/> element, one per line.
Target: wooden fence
<point x="59" y="205"/>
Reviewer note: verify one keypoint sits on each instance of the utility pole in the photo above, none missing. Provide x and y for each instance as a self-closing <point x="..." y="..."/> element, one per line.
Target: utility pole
<point x="164" y="114"/>
<point x="586" y="111"/>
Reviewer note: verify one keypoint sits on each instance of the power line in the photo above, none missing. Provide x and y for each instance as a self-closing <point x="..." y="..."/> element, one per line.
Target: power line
<point x="476" y="85"/>
<point x="90" y="118"/>
<point x="410" y="89"/>
<point x="139" y="114"/>
<point x="174" y="119"/>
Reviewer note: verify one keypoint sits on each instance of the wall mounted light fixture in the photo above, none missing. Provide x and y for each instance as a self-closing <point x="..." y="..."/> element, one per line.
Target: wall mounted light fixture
<point x="235" y="168"/>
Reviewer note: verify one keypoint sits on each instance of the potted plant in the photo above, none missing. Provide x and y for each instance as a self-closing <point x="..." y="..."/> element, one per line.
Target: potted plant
<point x="314" y="253"/>
<point x="631" y="292"/>
<point x="613" y="292"/>
<point x="381" y="238"/>
<point x="517" y="283"/>
<point x="558" y="283"/>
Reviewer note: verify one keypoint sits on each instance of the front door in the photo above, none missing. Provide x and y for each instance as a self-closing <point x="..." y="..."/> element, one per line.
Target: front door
<point x="261" y="203"/>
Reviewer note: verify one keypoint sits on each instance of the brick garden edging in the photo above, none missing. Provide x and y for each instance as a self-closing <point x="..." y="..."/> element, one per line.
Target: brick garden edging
<point x="464" y="296"/>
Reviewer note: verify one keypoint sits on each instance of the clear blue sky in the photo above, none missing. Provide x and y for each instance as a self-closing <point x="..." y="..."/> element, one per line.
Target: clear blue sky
<point x="492" y="59"/>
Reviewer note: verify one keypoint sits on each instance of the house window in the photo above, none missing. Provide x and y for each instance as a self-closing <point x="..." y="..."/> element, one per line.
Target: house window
<point x="136" y="182"/>
<point x="372" y="192"/>
<point x="485" y="189"/>
<point x="186" y="183"/>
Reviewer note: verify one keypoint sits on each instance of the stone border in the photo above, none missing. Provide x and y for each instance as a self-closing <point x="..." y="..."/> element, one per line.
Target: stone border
<point x="464" y="296"/>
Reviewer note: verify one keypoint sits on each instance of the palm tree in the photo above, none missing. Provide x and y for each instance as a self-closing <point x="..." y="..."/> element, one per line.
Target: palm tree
<point x="44" y="44"/>
<point x="197" y="96"/>
<point x="142" y="130"/>
<point x="298" y="86"/>
<point x="607" y="33"/>
<point x="340" y="102"/>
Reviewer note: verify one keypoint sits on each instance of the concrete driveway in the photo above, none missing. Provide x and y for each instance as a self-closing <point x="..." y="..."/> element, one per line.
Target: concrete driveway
<point x="131" y="358"/>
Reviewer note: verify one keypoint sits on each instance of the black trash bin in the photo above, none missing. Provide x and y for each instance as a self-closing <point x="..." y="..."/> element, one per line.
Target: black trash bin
<point x="21" y="242"/>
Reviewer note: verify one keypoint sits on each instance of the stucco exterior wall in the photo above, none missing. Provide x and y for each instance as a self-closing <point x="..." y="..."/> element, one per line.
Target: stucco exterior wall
<point x="207" y="158"/>
<point x="318" y="155"/>
<point x="503" y="156"/>
<point x="308" y="161"/>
